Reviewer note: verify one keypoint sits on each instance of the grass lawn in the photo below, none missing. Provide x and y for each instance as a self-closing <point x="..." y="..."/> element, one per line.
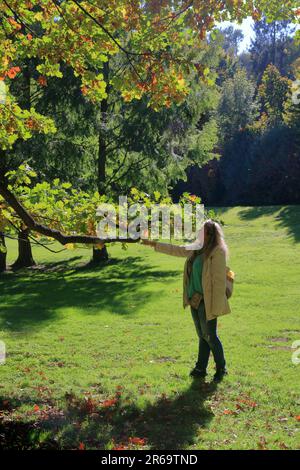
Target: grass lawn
<point x="100" y="358"/>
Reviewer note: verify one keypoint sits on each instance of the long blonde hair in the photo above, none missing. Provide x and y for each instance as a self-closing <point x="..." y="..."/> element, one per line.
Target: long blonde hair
<point x="215" y="237"/>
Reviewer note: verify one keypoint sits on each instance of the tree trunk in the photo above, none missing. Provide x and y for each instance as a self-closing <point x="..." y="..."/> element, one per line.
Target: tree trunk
<point x="102" y="150"/>
<point x="25" y="258"/>
<point x="102" y="141"/>
<point x="100" y="255"/>
<point x="2" y="253"/>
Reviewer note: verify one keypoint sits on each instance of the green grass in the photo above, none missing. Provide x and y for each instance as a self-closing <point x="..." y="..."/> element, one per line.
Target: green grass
<point x="77" y="336"/>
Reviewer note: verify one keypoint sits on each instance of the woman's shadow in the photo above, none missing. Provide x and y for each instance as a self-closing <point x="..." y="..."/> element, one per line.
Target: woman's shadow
<point x="169" y="423"/>
<point x="172" y="422"/>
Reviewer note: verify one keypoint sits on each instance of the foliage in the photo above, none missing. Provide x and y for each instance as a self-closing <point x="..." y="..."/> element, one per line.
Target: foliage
<point x="62" y="207"/>
<point x="273" y="92"/>
<point x="260" y="160"/>
<point x="238" y="107"/>
<point x="273" y="44"/>
<point x="84" y="36"/>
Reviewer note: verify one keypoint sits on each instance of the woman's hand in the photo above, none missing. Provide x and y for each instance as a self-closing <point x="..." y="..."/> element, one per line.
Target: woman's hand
<point x="149" y="243"/>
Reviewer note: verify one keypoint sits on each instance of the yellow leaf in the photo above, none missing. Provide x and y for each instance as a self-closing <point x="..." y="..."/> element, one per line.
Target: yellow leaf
<point x="70" y="246"/>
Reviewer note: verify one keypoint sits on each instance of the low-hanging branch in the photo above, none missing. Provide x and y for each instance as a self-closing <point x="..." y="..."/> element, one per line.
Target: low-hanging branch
<point x="63" y="239"/>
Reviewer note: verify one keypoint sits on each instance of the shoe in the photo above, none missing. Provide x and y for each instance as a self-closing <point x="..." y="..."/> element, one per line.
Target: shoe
<point x="200" y="374"/>
<point x="219" y="375"/>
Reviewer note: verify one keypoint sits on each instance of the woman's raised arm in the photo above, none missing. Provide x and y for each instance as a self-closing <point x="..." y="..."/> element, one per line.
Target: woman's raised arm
<point x="168" y="248"/>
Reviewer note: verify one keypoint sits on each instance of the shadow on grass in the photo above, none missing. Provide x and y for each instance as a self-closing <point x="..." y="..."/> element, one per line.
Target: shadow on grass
<point x="169" y="423"/>
<point x="288" y="217"/>
<point x="33" y="297"/>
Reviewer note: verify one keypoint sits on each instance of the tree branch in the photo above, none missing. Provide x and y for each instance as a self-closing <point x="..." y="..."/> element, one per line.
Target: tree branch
<point x="63" y="239"/>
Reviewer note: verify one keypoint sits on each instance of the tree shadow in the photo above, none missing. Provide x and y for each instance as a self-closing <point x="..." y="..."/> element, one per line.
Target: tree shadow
<point x="170" y="423"/>
<point x="288" y="217"/>
<point x="34" y="297"/>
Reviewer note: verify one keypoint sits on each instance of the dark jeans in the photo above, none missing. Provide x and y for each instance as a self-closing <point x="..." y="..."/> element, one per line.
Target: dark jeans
<point x="208" y="339"/>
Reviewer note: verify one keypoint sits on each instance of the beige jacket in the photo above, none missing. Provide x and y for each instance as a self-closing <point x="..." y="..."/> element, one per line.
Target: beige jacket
<point x="213" y="278"/>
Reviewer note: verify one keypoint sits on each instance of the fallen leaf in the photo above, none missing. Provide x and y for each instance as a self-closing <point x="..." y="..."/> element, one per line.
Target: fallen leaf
<point x="262" y="444"/>
<point x="229" y="412"/>
<point x="137" y="441"/>
<point x="283" y="446"/>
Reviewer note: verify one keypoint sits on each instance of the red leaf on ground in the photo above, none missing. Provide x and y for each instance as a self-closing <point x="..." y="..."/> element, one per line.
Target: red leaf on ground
<point x="108" y="403"/>
<point x="81" y="446"/>
<point x="229" y="412"/>
<point x="36" y="408"/>
<point x="247" y="402"/>
<point x="120" y="447"/>
<point x="297" y="418"/>
<point x="137" y="441"/>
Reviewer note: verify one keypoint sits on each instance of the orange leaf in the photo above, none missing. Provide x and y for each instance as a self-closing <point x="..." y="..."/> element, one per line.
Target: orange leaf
<point x="36" y="408"/>
<point x="297" y="418"/>
<point x="13" y="23"/>
<point x="229" y="412"/>
<point x="42" y="80"/>
<point x="137" y="441"/>
<point x="108" y="403"/>
<point x="81" y="446"/>
<point x="13" y="72"/>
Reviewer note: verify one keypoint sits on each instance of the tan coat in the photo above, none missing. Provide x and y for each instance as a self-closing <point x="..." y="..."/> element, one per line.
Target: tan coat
<point x="213" y="278"/>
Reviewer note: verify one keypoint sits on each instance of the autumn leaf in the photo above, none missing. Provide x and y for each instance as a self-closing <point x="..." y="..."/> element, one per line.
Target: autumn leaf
<point x="137" y="441"/>
<point x="246" y="402"/>
<point x="120" y="447"/>
<point x="36" y="408"/>
<point x="262" y="444"/>
<point x="81" y="446"/>
<point x="297" y="418"/>
<point x="283" y="446"/>
<point x="42" y="80"/>
<point x="109" y="403"/>
<point x="12" y="73"/>
<point x="14" y="23"/>
<point x="229" y="412"/>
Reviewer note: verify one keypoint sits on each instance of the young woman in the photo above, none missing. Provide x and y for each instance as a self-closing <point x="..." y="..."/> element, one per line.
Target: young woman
<point x="204" y="290"/>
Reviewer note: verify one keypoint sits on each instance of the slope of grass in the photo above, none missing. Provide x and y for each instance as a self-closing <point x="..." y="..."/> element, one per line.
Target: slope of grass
<point x="99" y="358"/>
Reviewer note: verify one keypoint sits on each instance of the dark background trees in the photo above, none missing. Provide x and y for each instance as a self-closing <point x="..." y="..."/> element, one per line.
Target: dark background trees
<point x="258" y="120"/>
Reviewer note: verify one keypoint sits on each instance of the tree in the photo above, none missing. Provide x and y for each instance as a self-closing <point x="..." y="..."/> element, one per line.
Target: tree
<point x="149" y="35"/>
<point x="292" y="108"/>
<point x="273" y="92"/>
<point x="232" y="38"/>
<point x="273" y="44"/>
<point x="238" y="107"/>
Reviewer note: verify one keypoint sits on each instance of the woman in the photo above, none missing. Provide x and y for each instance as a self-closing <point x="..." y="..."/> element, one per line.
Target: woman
<point x="204" y="290"/>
